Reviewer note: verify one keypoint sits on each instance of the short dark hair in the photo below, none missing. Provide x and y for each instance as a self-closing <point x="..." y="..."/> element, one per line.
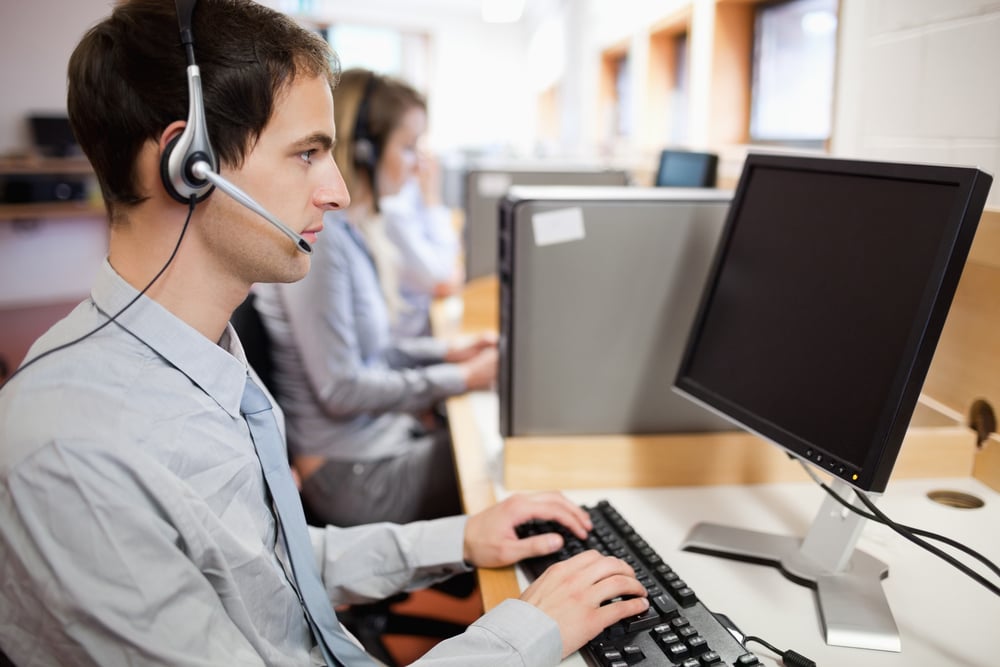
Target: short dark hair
<point x="127" y="81"/>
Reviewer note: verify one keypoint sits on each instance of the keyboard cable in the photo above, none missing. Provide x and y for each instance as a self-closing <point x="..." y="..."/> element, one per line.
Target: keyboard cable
<point x="789" y="658"/>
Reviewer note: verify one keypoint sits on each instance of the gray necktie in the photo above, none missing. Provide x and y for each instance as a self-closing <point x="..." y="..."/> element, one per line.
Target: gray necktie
<point x="337" y="648"/>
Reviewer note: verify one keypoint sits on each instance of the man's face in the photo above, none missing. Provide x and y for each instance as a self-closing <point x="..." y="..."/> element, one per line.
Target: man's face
<point x="291" y="173"/>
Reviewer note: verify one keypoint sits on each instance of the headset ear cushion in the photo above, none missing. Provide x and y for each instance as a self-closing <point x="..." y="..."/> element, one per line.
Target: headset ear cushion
<point x="171" y="177"/>
<point x="165" y="176"/>
<point x="364" y="153"/>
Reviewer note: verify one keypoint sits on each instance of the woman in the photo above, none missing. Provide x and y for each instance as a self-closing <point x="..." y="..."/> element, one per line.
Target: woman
<point x="359" y="403"/>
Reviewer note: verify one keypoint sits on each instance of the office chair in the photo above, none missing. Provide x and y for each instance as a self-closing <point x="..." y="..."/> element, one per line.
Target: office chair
<point x="368" y="622"/>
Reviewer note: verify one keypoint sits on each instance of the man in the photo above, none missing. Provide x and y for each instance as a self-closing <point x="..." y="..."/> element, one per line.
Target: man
<point x="135" y="521"/>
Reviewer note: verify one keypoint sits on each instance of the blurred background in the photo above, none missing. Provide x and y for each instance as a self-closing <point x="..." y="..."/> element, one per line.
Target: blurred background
<point x="609" y="83"/>
<point x="614" y="81"/>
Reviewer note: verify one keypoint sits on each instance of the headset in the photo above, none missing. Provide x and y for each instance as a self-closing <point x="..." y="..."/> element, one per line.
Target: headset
<point x="189" y="168"/>
<point x="189" y="172"/>
<point x="366" y="150"/>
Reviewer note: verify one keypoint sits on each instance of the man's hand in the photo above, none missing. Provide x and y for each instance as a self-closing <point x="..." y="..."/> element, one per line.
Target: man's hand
<point x="573" y="592"/>
<point x="490" y="538"/>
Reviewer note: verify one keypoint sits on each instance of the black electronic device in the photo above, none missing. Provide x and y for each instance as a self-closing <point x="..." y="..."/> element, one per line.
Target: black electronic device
<point x="37" y="188"/>
<point x="676" y="629"/>
<point x="687" y="169"/>
<point x="366" y="150"/>
<point x="826" y="299"/>
<point x="52" y="135"/>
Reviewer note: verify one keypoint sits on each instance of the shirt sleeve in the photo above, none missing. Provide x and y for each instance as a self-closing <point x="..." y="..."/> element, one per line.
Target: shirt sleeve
<point x="375" y="561"/>
<point x="427" y="243"/>
<point x="514" y="634"/>
<point x="346" y="383"/>
<point x="117" y="586"/>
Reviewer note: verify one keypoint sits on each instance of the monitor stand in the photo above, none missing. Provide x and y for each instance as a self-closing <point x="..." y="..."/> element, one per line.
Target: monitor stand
<point x="848" y="582"/>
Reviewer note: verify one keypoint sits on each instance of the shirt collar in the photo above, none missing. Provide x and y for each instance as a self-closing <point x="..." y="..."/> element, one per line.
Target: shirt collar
<point x="218" y="369"/>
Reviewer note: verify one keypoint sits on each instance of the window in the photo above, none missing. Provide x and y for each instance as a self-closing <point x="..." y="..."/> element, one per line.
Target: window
<point x="793" y="68"/>
<point x="389" y="51"/>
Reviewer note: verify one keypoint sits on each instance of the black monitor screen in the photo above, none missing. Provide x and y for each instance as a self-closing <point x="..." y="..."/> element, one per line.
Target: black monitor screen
<point x="687" y="169"/>
<point x="826" y="301"/>
<point x="53" y="136"/>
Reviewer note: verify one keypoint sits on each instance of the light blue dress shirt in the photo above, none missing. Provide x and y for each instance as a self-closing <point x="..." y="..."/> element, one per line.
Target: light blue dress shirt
<point x="134" y="524"/>
<point x="428" y="254"/>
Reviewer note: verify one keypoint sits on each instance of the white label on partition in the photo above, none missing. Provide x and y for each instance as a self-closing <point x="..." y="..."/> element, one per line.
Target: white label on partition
<point x="492" y="184"/>
<point x="560" y="226"/>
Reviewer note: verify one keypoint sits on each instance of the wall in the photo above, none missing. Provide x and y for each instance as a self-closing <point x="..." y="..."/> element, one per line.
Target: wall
<point x="36" y="40"/>
<point x="919" y="80"/>
<point x="476" y="92"/>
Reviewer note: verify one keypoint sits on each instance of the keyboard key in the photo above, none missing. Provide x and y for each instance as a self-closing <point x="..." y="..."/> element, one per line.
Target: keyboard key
<point x="697" y="644"/>
<point x="677" y="652"/>
<point x="646" y="619"/>
<point x="611" y="655"/>
<point x="665" y="605"/>
<point x="686" y="597"/>
<point x="633" y="654"/>
<point x="679" y="622"/>
<point x="710" y="658"/>
<point x="666" y="638"/>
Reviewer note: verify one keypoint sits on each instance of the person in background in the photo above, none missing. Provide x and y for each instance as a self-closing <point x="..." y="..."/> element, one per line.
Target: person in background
<point x="137" y="524"/>
<point x="363" y="430"/>
<point x="421" y="229"/>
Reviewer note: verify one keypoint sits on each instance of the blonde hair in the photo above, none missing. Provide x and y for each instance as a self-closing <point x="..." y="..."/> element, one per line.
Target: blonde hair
<point x="386" y="258"/>
<point x="388" y="99"/>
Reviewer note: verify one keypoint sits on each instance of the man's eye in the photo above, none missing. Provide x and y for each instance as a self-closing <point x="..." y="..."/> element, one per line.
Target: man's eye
<point x="307" y="155"/>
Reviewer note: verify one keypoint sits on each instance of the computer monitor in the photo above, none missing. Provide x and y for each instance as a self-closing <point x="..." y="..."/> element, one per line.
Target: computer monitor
<point x="52" y="135"/>
<point x="818" y="322"/>
<point x="686" y="169"/>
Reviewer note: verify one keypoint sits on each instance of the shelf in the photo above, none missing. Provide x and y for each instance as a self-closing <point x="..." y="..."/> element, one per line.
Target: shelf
<point x="50" y="211"/>
<point x="43" y="165"/>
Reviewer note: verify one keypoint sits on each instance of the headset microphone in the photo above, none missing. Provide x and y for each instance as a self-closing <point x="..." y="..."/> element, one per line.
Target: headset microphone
<point x="203" y="169"/>
<point x="189" y="169"/>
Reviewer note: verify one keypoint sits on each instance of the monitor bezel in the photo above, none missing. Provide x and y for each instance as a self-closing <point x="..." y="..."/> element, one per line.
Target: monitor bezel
<point x="883" y="448"/>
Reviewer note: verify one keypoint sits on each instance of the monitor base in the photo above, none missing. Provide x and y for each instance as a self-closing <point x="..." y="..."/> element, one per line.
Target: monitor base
<point x="852" y="604"/>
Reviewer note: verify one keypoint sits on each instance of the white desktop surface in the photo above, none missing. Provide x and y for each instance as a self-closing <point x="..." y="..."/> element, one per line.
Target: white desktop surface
<point x="944" y="617"/>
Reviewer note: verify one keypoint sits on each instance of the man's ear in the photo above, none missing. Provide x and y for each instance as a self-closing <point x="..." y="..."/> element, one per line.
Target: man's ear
<point x="170" y="134"/>
<point x="167" y="142"/>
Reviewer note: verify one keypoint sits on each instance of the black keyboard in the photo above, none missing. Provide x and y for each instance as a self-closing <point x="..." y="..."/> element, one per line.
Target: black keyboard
<point x="677" y="629"/>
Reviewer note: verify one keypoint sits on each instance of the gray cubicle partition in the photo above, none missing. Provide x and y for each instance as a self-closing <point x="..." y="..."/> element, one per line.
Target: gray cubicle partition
<point x="598" y="288"/>
<point x="484" y="186"/>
